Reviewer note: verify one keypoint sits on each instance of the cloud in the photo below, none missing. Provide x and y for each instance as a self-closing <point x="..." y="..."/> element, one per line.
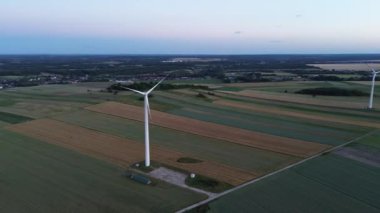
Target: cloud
<point x="299" y="16"/>
<point x="238" y="32"/>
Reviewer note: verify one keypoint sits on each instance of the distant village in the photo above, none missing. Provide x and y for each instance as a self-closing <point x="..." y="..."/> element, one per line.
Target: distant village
<point x="24" y="71"/>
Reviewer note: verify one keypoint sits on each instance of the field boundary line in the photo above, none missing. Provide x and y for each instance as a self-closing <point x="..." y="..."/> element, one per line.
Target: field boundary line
<point x="275" y="172"/>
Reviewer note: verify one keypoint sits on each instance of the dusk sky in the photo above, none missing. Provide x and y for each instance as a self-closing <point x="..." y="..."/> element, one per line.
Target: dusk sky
<point x="189" y="26"/>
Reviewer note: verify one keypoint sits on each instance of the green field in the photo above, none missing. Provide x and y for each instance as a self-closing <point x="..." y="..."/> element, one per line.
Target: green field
<point x="372" y="141"/>
<point x="39" y="177"/>
<point x="326" y="184"/>
<point x="360" y="114"/>
<point x="293" y="86"/>
<point x="314" y="131"/>
<point x="339" y="113"/>
<point x="12" y="118"/>
<point x="329" y="183"/>
<point x="288" y="89"/>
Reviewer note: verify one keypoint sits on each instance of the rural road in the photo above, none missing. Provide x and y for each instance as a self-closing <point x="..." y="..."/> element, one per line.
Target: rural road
<point x="273" y="173"/>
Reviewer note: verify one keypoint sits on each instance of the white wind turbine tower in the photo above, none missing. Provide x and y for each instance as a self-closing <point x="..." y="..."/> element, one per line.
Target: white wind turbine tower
<point x="374" y="73"/>
<point x="146" y="119"/>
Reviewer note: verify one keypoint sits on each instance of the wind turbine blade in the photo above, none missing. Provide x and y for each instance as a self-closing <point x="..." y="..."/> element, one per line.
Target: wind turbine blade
<point x="149" y="91"/>
<point x="136" y="91"/>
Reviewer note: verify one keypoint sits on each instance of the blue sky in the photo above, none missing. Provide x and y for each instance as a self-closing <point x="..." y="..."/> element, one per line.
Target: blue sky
<point x="189" y="26"/>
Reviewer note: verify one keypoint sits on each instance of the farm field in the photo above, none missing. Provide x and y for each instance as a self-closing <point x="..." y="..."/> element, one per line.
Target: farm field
<point x="328" y="183"/>
<point x="2" y="124"/>
<point x="339" y="113"/>
<point x="12" y="118"/>
<point x="48" y="100"/>
<point x="258" y="85"/>
<point x="39" y="177"/>
<point x="365" y="83"/>
<point x="236" y="138"/>
<point x="345" y="67"/>
<point x="366" y="151"/>
<point x="285" y="126"/>
<point x="287" y="89"/>
<point x="296" y="114"/>
<point x="338" y="183"/>
<point x="234" y="135"/>
<point x="40" y="109"/>
<point x="371" y="141"/>
<point x="205" y="148"/>
<point x="342" y="102"/>
<point x="121" y="151"/>
<point x="292" y="87"/>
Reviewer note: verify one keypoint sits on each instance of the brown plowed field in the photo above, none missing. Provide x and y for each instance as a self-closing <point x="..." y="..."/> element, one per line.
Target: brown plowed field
<point x="240" y="136"/>
<point x="121" y="151"/>
<point x="296" y="114"/>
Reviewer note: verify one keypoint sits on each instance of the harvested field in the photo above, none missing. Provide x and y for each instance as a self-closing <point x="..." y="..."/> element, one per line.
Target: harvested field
<point x="235" y="135"/>
<point x="356" y="103"/>
<point x="296" y="114"/>
<point x="121" y="151"/>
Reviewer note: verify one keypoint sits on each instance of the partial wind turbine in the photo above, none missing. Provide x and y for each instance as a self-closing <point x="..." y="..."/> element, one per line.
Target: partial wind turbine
<point x="374" y="73"/>
<point x="146" y="119"/>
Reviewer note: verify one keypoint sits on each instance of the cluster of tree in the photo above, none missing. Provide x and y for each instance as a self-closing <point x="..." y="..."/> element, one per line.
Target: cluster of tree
<point x="246" y="77"/>
<point x="331" y="91"/>
<point x="25" y="84"/>
<point x="326" y="78"/>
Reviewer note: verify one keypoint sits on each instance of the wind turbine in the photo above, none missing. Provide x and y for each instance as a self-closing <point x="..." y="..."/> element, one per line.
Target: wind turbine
<point x="146" y="118"/>
<point x="374" y="73"/>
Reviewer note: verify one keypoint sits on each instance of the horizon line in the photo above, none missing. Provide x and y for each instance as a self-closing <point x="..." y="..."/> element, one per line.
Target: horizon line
<point x="175" y="54"/>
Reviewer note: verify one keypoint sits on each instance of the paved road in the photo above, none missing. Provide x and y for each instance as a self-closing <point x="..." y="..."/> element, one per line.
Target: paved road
<point x="273" y="173"/>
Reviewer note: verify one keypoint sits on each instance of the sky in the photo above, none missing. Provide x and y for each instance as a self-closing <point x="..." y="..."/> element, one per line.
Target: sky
<point x="189" y="26"/>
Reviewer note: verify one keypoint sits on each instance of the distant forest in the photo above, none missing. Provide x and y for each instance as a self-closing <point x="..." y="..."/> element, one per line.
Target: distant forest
<point x="17" y="65"/>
